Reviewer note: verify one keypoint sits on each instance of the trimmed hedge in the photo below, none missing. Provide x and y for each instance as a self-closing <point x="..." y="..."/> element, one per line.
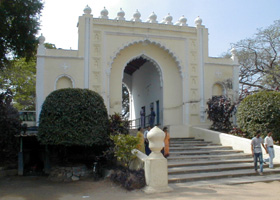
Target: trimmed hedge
<point x="73" y="117"/>
<point x="260" y="111"/>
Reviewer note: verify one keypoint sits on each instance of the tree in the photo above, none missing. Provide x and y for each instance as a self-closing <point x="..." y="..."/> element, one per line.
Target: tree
<point x="19" y="26"/>
<point x="9" y="126"/>
<point x="73" y="117"/>
<point x="125" y="101"/>
<point x="20" y="78"/>
<point x="260" y="111"/>
<point x="259" y="60"/>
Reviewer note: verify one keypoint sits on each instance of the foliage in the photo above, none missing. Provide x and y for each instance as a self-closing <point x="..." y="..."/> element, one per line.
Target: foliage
<point x="124" y="144"/>
<point x="73" y="117"/>
<point x="129" y="179"/>
<point x="9" y="126"/>
<point x="118" y="125"/>
<point x="19" y="26"/>
<point x="260" y="61"/>
<point x="20" y="78"/>
<point x="238" y="132"/>
<point x="219" y="112"/>
<point x="260" y="111"/>
<point x="125" y="101"/>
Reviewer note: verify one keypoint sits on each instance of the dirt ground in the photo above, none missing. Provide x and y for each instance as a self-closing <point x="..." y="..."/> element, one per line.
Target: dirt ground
<point x="39" y="188"/>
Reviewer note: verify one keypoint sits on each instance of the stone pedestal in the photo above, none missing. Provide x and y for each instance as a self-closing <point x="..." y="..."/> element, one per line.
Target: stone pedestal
<point x="156" y="173"/>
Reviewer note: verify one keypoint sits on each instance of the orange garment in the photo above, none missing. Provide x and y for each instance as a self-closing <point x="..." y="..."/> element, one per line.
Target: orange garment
<point x="140" y="145"/>
<point x="166" y="144"/>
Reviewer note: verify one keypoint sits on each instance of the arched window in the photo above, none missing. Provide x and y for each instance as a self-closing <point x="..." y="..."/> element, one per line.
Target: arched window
<point x="218" y="90"/>
<point x="64" y="82"/>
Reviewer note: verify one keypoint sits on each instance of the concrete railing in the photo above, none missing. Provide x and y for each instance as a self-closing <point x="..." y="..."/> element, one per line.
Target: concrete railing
<point x="237" y="143"/>
<point x="156" y="173"/>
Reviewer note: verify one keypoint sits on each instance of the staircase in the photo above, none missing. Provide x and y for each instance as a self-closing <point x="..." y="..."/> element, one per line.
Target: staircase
<point x="195" y="161"/>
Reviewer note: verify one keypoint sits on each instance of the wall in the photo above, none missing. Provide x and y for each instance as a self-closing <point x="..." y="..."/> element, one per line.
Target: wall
<point x="237" y="143"/>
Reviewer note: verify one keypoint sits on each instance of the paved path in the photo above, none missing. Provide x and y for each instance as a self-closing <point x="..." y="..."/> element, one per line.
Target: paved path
<point x="39" y="188"/>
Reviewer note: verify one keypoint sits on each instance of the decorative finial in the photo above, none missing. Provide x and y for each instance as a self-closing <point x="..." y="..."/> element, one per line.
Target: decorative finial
<point x="120" y="15"/>
<point x="152" y="18"/>
<point x="136" y="16"/>
<point x="104" y="13"/>
<point x="168" y="19"/>
<point x="41" y="39"/>
<point x="87" y="10"/>
<point x="198" y="21"/>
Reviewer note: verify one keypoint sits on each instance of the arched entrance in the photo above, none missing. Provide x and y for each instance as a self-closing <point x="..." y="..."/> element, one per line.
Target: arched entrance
<point x="156" y="83"/>
<point x="143" y="78"/>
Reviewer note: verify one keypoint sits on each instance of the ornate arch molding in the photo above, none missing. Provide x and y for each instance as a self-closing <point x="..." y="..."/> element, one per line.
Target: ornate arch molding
<point x="158" y="68"/>
<point x="147" y="42"/>
<point x="222" y="85"/>
<point x="61" y="76"/>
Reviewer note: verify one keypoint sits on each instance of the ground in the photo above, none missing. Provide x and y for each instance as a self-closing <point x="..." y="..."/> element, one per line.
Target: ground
<point x="40" y="188"/>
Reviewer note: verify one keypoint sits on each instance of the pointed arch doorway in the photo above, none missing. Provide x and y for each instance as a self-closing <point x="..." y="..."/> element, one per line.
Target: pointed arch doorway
<point x="157" y="83"/>
<point x="143" y="78"/>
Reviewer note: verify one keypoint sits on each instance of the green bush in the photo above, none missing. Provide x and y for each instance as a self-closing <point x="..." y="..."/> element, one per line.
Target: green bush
<point x="73" y="117"/>
<point x="260" y="111"/>
<point x="118" y="125"/>
<point x="124" y="144"/>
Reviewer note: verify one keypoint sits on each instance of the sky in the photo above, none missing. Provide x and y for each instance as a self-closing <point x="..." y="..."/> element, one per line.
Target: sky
<point x="228" y="21"/>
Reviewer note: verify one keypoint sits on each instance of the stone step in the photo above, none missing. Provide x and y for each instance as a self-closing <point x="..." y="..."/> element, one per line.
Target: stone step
<point x="212" y="168"/>
<point x="203" y="152"/>
<point x="189" y="140"/>
<point x="227" y="181"/>
<point x="212" y="147"/>
<point x="178" y="178"/>
<point x="196" y="144"/>
<point x="183" y="139"/>
<point x="210" y="157"/>
<point x="207" y="162"/>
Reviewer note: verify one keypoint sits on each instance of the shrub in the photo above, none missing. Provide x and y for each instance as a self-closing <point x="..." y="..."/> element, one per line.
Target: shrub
<point x="129" y="179"/>
<point x="9" y="127"/>
<point x="73" y="117"/>
<point x="118" y="125"/>
<point x="124" y="144"/>
<point x="219" y="112"/>
<point x="260" y="111"/>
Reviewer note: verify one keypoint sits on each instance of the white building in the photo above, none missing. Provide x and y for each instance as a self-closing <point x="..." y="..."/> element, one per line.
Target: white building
<point x="163" y="65"/>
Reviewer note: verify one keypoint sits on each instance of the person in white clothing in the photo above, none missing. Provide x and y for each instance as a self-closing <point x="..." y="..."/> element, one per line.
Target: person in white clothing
<point x="268" y="141"/>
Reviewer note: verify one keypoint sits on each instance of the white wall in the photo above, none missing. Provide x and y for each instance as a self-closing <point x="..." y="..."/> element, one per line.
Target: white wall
<point x="146" y="88"/>
<point x="237" y="143"/>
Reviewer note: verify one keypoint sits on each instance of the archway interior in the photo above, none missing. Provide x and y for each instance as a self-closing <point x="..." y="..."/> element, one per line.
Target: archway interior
<point x="142" y="79"/>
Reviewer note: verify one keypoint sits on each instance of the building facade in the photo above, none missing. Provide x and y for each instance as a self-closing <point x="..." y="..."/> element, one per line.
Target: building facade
<point x="165" y="66"/>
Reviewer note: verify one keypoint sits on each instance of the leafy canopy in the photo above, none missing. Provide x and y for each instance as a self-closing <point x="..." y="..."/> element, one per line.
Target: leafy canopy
<point x="259" y="60"/>
<point x="20" y="78"/>
<point x="73" y="117"/>
<point x="260" y="111"/>
<point x="19" y="26"/>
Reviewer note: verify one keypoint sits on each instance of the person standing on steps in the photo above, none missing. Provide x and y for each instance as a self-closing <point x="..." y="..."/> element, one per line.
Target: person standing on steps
<point x="152" y="118"/>
<point x="146" y="141"/>
<point x="268" y="141"/>
<point x="166" y="142"/>
<point x="256" y="149"/>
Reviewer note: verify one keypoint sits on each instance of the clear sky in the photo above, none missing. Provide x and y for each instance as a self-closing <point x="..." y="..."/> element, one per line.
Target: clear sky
<point x="228" y="21"/>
